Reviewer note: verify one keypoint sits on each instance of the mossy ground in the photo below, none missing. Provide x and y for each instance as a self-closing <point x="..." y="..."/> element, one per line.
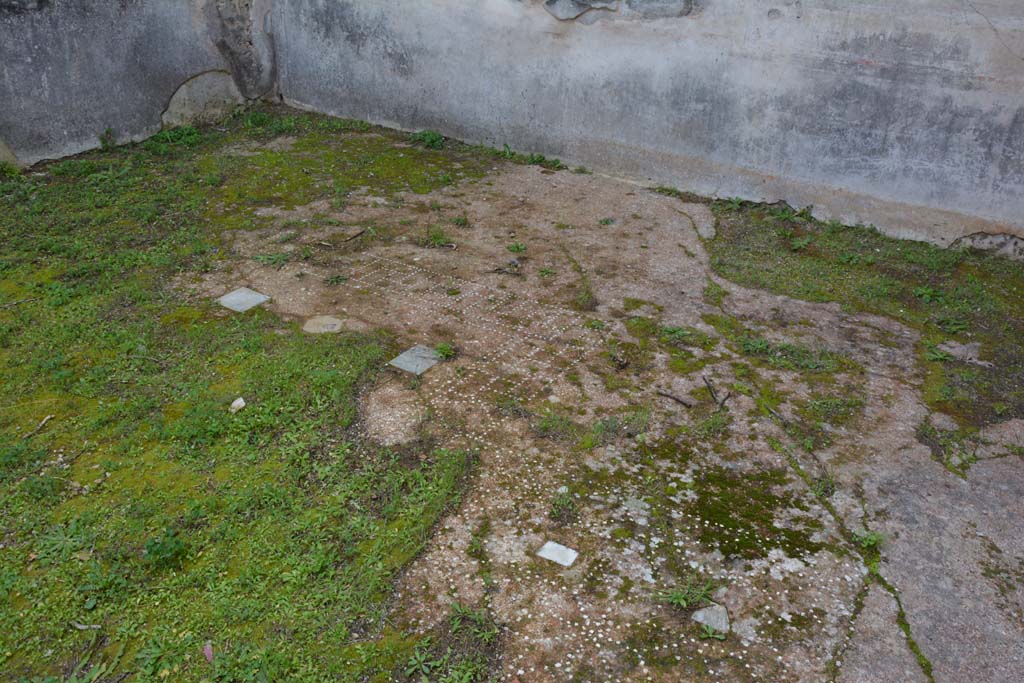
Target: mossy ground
<point x="945" y="294"/>
<point x="143" y="520"/>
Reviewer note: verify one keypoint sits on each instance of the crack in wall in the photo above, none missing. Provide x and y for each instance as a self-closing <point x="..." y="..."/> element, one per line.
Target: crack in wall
<point x="995" y="31"/>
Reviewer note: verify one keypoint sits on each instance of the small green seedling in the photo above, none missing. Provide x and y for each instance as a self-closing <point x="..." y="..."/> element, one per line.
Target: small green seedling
<point x="335" y="280"/>
<point x="446" y="351"/>
<point x="935" y="354"/>
<point x="606" y="221"/>
<point x="428" y="138"/>
<point x="546" y="272"/>
<point x="800" y="243"/>
<point x="563" y="509"/>
<point x="708" y="632"/>
<point x="436" y="238"/>
<point x="517" y="247"/>
<point x="274" y="260"/>
<point x="952" y="324"/>
<point x="690" y="596"/>
<point x="825" y="485"/>
<point x="929" y="295"/>
<point x="872" y="540"/>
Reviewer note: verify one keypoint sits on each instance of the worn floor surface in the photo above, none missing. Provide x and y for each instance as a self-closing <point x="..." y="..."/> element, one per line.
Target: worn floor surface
<point x="675" y="429"/>
<point x="730" y="483"/>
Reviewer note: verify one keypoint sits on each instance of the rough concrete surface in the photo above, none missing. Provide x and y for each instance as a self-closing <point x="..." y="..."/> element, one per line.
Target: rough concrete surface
<point x="873" y="655"/>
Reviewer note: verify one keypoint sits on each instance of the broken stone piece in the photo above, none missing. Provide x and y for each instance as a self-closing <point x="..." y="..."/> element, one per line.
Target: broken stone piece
<point x="416" y="360"/>
<point x="236" y="405"/>
<point x="969" y="353"/>
<point x="715" y="616"/>
<point x="242" y="299"/>
<point x="558" y="553"/>
<point x="323" y="324"/>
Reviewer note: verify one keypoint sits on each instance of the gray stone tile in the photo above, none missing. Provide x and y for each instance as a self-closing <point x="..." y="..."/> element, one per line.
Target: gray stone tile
<point x="558" y="553"/>
<point x="416" y="360"/>
<point x="242" y="299"/>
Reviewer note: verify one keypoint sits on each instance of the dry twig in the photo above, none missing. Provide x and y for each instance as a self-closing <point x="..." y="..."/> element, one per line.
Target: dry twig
<point x="38" y="427"/>
<point x="714" y="394"/>
<point x="686" y="403"/>
<point x="19" y="301"/>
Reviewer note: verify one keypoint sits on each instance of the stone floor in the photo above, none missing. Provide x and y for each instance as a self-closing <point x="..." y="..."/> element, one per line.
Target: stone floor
<point x="617" y="415"/>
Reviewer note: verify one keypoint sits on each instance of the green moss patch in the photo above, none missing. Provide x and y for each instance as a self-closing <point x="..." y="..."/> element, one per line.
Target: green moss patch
<point x="740" y="511"/>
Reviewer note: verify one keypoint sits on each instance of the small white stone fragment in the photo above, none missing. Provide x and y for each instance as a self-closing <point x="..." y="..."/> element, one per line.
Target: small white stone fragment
<point x="558" y="553"/>
<point x="715" y="616"/>
<point x="236" y="405"/>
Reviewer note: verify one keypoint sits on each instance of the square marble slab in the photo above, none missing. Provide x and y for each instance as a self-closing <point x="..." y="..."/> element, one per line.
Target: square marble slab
<point x="416" y="360"/>
<point x="242" y="299"/>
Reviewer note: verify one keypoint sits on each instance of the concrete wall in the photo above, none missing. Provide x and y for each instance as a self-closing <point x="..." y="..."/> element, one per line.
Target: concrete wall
<point x="71" y="69"/>
<point x="908" y="114"/>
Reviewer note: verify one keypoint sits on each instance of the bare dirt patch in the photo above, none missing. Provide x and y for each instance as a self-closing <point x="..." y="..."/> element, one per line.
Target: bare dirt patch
<point x="393" y="414"/>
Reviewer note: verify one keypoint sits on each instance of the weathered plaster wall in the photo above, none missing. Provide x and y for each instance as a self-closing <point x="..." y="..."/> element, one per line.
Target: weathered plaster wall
<point x="71" y="69"/>
<point x="907" y="114"/>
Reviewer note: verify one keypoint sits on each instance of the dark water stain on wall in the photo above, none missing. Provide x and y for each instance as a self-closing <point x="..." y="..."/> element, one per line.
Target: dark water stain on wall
<point x="364" y="31"/>
<point x="22" y="6"/>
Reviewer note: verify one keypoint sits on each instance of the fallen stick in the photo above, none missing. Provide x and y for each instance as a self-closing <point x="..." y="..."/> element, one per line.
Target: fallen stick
<point x="681" y="401"/>
<point x="714" y="394"/>
<point x="85" y="627"/>
<point x="775" y="414"/>
<point x="38" y="427"/>
<point x="505" y="271"/>
<point x="19" y="301"/>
